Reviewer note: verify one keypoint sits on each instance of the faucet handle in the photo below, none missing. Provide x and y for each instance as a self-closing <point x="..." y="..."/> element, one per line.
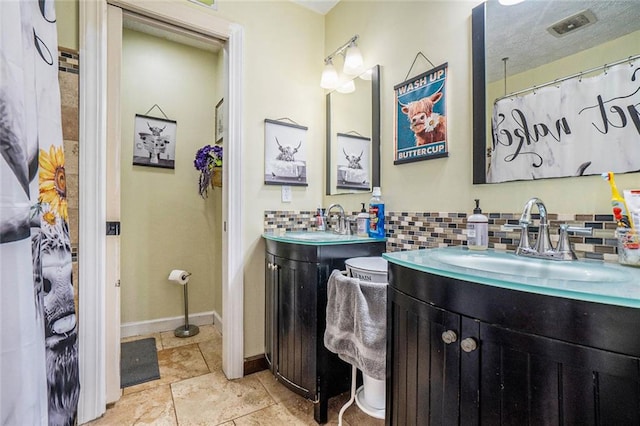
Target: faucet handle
<point x="564" y="250"/>
<point x="565" y="227"/>
<point x="522" y="226"/>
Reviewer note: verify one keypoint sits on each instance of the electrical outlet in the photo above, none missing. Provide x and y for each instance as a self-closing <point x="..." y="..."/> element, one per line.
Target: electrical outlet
<point x="286" y="194"/>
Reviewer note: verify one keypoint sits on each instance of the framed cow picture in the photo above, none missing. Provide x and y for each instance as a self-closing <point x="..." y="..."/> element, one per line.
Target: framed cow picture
<point x="285" y="157"/>
<point x="421" y="117"/>
<point x="353" y="164"/>
<point x="154" y="142"/>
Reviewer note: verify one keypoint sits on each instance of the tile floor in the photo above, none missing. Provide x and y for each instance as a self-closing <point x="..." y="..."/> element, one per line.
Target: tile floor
<point x="193" y="390"/>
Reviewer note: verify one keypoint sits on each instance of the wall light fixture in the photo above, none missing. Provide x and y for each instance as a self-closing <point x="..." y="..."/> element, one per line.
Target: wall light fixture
<point x="353" y="64"/>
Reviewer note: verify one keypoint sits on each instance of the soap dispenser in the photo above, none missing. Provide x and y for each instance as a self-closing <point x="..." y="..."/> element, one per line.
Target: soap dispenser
<point x="363" y="222"/>
<point x="477" y="229"/>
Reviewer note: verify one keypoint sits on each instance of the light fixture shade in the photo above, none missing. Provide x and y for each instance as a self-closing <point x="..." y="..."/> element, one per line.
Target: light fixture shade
<point x="329" y="79"/>
<point x="347" y="87"/>
<point x="509" y="2"/>
<point x="353" y="62"/>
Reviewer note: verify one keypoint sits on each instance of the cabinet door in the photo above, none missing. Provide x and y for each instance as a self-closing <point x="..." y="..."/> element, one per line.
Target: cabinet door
<point x="297" y="323"/>
<point x="526" y="379"/>
<point x="270" y="311"/>
<point x="424" y="370"/>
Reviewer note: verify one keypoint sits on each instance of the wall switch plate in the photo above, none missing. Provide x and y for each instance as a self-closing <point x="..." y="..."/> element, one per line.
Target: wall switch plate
<point x="286" y="194"/>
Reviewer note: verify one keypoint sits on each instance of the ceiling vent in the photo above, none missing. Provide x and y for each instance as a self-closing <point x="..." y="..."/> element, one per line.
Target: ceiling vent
<point x="572" y="23"/>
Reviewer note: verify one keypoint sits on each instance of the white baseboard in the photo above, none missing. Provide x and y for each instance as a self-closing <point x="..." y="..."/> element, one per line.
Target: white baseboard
<point x="167" y="324"/>
<point x="217" y="321"/>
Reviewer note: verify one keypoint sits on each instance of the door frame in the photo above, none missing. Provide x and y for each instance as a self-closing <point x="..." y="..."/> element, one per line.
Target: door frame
<point x="94" y="318"/>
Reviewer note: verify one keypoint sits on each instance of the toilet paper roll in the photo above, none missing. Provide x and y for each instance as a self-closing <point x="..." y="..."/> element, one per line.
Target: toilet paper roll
<point x="179" y="276"/>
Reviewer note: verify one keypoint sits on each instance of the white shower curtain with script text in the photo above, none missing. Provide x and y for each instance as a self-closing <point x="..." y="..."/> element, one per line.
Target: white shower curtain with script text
<point x="39" y="382"/>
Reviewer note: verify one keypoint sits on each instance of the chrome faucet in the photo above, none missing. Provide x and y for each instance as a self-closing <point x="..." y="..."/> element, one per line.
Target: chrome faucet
<point x="543" y="248"/>
<point x="343" y="227"/>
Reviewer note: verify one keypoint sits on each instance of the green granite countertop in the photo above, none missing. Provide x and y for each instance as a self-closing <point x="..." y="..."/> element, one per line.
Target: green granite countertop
<point x="588" y="280"/>
<point x="318" y="238"/>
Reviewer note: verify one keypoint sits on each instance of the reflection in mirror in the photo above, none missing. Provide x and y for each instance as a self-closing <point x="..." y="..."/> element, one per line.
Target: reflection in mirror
<point x="525" y="45"/>
<point x="353" y="137"/>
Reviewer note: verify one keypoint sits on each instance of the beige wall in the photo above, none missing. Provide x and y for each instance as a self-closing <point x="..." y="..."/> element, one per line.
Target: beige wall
<point x="283" y="51"/>
<point x="67" y="23"/>
<point x="165" y="222"/>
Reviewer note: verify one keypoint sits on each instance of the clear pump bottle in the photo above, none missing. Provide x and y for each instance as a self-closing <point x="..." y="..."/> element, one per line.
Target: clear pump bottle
<point x="477" y="229"/>
<point x="363" y="222"/>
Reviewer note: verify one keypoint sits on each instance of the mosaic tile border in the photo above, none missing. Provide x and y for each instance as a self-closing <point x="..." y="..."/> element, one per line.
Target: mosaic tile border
<point x="421" y="230"/>
<point x="68" y="60"/>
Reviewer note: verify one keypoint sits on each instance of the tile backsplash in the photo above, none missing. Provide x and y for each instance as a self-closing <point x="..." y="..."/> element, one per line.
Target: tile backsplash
<point x="421" y="230"/>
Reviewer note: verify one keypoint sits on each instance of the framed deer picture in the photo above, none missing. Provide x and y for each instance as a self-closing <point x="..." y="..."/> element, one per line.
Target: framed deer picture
<point x="353" y="164"/>
<point x="285" y="158"/>
<point x="154" y="142"/>
<point x="421" y="117"/>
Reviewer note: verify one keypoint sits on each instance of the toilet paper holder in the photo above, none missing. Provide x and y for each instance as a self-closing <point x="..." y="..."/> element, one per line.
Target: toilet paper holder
<point x="187" y="330"/>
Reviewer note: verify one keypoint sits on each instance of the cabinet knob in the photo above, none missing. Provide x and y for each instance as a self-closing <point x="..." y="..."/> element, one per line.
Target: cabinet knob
<point x="269" y="265"/>
<point x="469" y="344"/>
<point x="275" y="267"/>
<point x="449" y="336"/>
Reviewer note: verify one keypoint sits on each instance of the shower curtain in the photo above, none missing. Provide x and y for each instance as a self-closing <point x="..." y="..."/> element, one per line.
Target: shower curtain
<point x="39" y="381"/>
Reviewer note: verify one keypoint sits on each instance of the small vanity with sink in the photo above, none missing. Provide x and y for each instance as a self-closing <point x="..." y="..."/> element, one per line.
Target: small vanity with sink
<point x="493" y="338"/>
<point x="297" y="268"/>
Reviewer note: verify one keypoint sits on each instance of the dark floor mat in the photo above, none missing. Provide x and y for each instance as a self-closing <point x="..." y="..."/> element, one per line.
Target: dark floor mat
<point x="138" y="362"/>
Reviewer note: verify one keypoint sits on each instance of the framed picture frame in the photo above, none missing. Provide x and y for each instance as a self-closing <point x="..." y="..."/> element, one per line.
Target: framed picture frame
<point x="285" y="161"/>
<point x="154" y="142"/>
<point x="211" y="4"/>
<point x="219" y="130"/>
<point x="353" y="165"/>
<point x="420" y="117"/>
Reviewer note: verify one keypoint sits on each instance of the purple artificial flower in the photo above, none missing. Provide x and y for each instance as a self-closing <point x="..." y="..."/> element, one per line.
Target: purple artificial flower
<point x="206" y="159"/>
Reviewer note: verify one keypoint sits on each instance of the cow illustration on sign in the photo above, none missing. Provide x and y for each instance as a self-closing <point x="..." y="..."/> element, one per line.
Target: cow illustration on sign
<point x="285" y="155"/>
<point x="288" y="152"/>
<point x="421" y="117"/>
<point x="427" y="125"/>
<point x="354" y="162"/>
<point x="155" y="143"/>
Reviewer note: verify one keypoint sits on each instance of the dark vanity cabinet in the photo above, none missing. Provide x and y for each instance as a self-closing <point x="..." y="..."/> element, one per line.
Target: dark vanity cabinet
<point x="296" y="278"/>
<point x="472" y="354"/>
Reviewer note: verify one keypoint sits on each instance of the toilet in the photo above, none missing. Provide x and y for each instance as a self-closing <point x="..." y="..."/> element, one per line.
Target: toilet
<point x="371" y="396"/>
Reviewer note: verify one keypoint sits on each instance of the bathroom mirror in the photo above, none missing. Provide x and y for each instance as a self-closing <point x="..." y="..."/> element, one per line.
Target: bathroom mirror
<point x="353" y="136"/>
<point x="521" y="34"/>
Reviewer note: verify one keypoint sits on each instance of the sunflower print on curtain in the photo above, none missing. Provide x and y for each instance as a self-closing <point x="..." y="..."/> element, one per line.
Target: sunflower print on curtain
<point x="38" y="328"/>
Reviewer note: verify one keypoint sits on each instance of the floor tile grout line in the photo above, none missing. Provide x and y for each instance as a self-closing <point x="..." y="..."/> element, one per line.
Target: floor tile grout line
<point x="173" y="403"/>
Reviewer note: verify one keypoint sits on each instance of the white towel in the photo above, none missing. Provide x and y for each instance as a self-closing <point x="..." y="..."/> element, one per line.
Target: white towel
<point x="357" y="323"/>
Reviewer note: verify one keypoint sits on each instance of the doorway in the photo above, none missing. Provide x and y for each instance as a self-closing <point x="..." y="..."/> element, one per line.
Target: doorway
<point x="97" y="102"/>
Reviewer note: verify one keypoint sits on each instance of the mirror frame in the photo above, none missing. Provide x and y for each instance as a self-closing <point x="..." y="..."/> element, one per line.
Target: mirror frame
<point x="375" y="136"/>
<point x="479" y="94"/>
